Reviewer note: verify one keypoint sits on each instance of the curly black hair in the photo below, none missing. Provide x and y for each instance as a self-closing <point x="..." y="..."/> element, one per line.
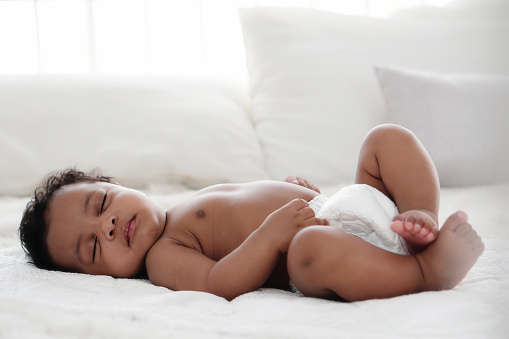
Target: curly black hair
<point x="33" y="226"/>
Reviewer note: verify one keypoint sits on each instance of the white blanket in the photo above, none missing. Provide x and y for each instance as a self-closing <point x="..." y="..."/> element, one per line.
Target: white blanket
<point x="41" y="304"/>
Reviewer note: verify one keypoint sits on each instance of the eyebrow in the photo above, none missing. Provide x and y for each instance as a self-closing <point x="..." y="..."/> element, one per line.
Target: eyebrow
<point x="87" y="200"/>
<point x="78" y="252"/>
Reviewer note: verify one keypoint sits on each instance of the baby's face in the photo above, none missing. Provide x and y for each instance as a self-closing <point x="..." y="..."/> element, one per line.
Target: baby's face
<point x="102" y="228"/>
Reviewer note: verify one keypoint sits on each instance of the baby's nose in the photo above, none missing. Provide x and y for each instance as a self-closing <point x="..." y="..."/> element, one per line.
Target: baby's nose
<point x="109" y="228"/>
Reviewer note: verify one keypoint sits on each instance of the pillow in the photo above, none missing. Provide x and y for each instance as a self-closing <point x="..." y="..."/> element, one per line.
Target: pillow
<point x="459" y="11"/>
<point x="313" y="90"/>
<point x="140" y="129"/>
<point x="460" y="119"/>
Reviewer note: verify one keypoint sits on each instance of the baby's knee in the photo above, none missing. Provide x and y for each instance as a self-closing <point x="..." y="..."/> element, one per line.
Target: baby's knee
<point x="305" y="246"/>
<point x="389" y="133"/>
<point x="307" y="260"/>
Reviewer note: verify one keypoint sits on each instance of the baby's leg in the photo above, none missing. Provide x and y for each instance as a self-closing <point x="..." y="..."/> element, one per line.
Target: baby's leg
<point x="394" y="161"/>
<point x="326" y="262"/>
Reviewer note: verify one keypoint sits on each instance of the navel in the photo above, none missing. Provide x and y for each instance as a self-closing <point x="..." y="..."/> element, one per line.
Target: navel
<point x="200" y="213"/>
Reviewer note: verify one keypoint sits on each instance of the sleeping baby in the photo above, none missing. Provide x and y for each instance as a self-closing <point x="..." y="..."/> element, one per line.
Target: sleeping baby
<point x="378" y="238"/>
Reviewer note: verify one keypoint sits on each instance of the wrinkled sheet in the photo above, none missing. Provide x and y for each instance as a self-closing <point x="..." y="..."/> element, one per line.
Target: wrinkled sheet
<point x="41" y="304"/>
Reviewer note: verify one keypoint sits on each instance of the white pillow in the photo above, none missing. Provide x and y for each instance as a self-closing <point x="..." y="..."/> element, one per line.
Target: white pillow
<point x="459" y="11"/>
<point x="461" y="120"/>
<point x="313" y="90"/>
<point x="140" y="129"/>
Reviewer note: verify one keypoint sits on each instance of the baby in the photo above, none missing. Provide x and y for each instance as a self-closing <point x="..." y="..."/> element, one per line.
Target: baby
<point x="231" y="239"/>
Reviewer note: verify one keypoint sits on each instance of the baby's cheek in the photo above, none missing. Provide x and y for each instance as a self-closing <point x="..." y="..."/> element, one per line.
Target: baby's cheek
<point x="128" y="266"/>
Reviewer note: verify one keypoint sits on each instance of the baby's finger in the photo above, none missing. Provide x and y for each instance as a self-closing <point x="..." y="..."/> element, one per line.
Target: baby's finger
<point x="292" y="179"/>
<point x="307" y="213"/>
<point x="314" y="188"/>
<point x="326" y="222"/>
<point x="298" y="204"/>
<point x="307" y="184"/>
<point x="312" y="221"/>
<point x="320" y="221"/>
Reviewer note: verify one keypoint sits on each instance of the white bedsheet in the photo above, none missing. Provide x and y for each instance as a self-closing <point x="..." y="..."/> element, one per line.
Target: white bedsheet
<point x="41" y="304"/>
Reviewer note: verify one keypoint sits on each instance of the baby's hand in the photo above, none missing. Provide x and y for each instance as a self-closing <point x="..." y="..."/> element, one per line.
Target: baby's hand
<point x="301" y="182"/>
<point x="282" y="225"/>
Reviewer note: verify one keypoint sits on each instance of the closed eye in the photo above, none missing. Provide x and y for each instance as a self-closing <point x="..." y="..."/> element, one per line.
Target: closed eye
<point x="102" y="205"/>
<point x="95" y="246"/>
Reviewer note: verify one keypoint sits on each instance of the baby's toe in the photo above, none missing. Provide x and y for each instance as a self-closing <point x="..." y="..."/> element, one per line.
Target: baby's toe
<point x="478" y="247"/>
<point x="463" y="229"/>
<point x="410" y="223"/>
<point x="424" y="231"/>
<point x="397" y="226"/>
<point x="471" y="235"/>
<point x="430" y="237"/>
<point x="426" y="227"/>
<point x="413" y="226"/>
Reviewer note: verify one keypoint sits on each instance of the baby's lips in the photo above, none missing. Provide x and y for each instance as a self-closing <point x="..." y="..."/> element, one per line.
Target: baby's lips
<point x="130" y="230"/>
<point x="125" y="230"/>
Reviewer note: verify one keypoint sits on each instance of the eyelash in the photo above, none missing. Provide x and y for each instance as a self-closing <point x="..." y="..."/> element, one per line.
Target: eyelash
<point x="95" y="245"/>
<point x="102" y="205"/>
<point x="96" y="239"/>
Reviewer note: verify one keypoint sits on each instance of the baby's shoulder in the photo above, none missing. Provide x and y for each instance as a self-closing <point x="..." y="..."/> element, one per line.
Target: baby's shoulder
<point x="159" y="250"/>
<point x="166" y="245"/>
<point x="169" y="261"/>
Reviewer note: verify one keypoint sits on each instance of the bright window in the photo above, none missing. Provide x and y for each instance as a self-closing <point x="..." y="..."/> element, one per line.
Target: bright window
<point x="142" y="36"/>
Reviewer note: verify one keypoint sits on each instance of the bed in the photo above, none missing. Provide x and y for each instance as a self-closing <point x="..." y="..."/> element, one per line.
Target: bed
<point x="318" y="82"/>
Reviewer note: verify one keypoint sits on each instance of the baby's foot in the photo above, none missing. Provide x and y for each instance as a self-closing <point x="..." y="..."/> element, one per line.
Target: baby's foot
<point x="446" y="261"/>
<point x="418" y="227"/>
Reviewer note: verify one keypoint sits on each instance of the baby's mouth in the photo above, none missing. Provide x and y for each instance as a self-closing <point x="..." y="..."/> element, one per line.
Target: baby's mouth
<point x="128" y="230"/>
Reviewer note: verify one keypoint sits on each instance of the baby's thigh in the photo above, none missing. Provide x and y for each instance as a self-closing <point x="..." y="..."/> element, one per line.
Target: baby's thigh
<point x="378" y="144"/>
<point x="312" y="254"/>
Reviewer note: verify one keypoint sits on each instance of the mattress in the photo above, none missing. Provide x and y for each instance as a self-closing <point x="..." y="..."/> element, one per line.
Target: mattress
<point x="41" y="304"/>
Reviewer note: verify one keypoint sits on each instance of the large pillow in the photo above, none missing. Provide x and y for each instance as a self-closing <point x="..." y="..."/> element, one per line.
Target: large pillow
<point x="140" y="129"/>
<point x="462" y="121"/>
<point x="314" y="93"/>
<point x="487" y="11"/>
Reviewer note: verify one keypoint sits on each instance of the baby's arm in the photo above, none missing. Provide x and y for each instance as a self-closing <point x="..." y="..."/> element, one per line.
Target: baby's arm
<point x="244" y="270"/>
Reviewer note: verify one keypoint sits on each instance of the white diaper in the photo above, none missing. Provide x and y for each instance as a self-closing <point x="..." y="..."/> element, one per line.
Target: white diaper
<point x="363" y="211"/>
